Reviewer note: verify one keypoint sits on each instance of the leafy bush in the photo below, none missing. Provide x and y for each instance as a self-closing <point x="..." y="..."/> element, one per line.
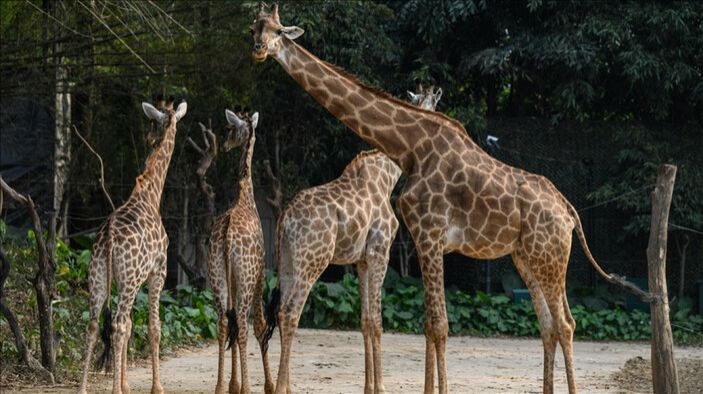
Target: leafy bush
<point x="336" y="305"/>
<point x="187" y="314"/>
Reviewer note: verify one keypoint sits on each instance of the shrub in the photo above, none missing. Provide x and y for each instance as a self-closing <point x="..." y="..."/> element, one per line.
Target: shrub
<point x="336" y="305"/>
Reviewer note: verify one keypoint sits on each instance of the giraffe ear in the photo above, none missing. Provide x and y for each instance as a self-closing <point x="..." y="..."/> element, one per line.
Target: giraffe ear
<point x="152" y="113"/>
<point x="292" y="32"/>
<point x="181" y="110"/>
<point x="233" y="119"/>
<point x="254" y="120"/>
<point x="413" y="97"/>
<point x="437" y="96"/>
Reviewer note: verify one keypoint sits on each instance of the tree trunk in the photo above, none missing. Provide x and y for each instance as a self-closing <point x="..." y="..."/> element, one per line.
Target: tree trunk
<point x="62" y="134"/>
<point x="664" y="375"/>
<point x="44" y="280"/>
<point x="187" y="263"/>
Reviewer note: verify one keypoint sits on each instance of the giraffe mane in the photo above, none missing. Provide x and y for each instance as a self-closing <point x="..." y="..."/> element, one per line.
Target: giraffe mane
<point x="359" y="158"/>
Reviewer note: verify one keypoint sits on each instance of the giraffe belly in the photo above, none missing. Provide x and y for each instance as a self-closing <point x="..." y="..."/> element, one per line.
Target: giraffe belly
<point x="473" y="244"/>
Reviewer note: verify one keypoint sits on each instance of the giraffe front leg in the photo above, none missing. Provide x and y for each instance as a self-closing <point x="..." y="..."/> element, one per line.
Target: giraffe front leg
<point x="156" y="283"/>
<point x="377" y="271"/>
<point x="436" y="324"/>
<point x="366" y="327"/>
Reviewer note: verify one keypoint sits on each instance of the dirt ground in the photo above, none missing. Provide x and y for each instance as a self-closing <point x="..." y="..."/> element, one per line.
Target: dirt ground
<point x="333" y="362"/>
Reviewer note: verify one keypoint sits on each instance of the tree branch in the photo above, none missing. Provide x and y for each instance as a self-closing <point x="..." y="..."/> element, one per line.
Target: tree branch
<point x="100" y="160"/>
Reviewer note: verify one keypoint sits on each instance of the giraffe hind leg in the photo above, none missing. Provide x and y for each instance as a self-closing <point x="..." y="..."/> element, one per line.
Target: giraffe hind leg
<point x="260" y="330"/>
<point x="544" y="318"/>
<point x="98" y="294"/>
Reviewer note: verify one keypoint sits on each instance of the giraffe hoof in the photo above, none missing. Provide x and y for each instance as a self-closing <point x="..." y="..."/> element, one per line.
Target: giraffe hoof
<point x="269" y="388"/>
<point x="157" y="389"/>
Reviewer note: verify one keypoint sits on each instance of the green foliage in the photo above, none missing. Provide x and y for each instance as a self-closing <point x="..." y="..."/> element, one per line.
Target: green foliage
<point x="187" y="315"/>
<point x="336" y="305"/>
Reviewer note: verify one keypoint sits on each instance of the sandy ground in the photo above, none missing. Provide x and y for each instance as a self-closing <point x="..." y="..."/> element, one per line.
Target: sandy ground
<point x="333" y="362"/>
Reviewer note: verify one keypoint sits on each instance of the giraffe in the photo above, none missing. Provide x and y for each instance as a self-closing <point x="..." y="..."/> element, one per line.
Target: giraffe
<point x="236" y="263"/>
<point x="457" y="198"/>
<point x="132" y="245"/>
<point x="425" y="98"/>
<point x="346" y="221"/>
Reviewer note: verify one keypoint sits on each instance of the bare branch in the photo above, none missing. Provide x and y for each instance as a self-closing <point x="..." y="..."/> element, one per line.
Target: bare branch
<point x="276" y="200"/>
<point x="116" y="36"/>
<point x="102" y="170"/>
<point x="56" y="20"/>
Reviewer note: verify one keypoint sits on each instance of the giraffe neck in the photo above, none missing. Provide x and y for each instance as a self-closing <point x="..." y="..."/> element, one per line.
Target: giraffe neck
<point x="246" y="188"/>
<point x="150" y="184"/>
<point x="393" y="126"/>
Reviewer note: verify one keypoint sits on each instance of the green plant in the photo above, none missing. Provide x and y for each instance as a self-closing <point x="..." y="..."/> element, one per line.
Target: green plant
<point x="336" y="305"/>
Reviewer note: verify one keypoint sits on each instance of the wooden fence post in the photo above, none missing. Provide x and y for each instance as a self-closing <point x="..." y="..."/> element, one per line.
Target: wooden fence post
<point x="665" y="378"/>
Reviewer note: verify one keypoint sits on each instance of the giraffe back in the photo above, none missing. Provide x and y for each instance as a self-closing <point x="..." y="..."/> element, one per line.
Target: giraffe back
<point x="335" y="220"/>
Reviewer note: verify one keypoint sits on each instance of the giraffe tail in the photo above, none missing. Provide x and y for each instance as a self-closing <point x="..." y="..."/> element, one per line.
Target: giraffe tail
<point x="232" y="327"/>
<point x="271" y="312"/>
<point x="274" y="303"/>
<point x="615" y="279"/>
<point x="103" y="362"/>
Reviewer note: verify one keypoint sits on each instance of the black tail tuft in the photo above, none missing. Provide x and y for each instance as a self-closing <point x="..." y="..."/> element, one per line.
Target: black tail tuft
<point x="271" y="315"/>
<point x="103" y="362"/>
<point x="232" y="328"/>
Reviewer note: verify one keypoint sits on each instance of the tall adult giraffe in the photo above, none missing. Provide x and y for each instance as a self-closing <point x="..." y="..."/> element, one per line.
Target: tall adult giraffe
<point x="132" y="245"/>
<point x="236" y="264"/>
<point x="457" y="197"/>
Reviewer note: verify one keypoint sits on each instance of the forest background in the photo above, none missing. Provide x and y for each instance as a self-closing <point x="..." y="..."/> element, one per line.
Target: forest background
<point x="594" y="95"/>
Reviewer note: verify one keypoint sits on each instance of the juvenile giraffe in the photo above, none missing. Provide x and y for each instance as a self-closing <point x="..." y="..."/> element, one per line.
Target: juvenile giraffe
<point x="236" y="264"/>
<point x="457" y="198"/>
<point x="347" y="221"/>
<point x="131" y="245"/>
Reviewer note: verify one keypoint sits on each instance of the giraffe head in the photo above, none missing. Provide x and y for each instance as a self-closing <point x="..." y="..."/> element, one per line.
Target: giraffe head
<point x="163" y="118"/>
<point x="268" y="32"/>
<point x="240" y="129"/>
<point x="425" y="98"/>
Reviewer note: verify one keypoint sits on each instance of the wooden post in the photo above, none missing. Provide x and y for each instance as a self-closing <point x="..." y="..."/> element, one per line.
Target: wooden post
<point x="665" y="378"/>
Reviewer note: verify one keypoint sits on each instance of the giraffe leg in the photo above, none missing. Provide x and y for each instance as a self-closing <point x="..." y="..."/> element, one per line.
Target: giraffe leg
<point x="233" y="382"/>
<point x="377" y="272"/>
<point x="293" y="297"/>
<point x="259" y="328"/>
<point x="221" y="339"/>
<point x="242" y="313"/>
<point x="98" y="293"/>
<point x="436" y="324"/>
<point x="155" y="283"/>
<point x="544" y="317"/>
<point x="366" y="326"/>
<point x="125" y="351"/>
<point x="566" y="340"/>
<point x="120" y="324"/>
